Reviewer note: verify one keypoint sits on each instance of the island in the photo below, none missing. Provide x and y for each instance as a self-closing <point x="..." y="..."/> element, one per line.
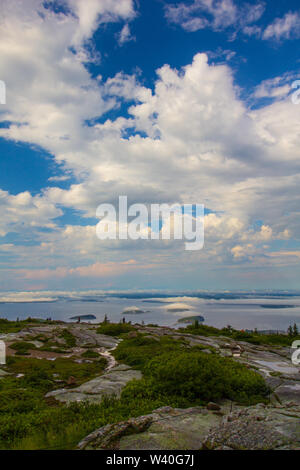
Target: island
<point x="277" y="306"/>
<point x="179" y="309"/>
<point x="133" y="311"/>
<point x="84" y="317"/>
<point x="193" y="319"/>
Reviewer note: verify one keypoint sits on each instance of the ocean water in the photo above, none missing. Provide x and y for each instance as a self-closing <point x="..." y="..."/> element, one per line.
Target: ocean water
<point x="241" y="311"/>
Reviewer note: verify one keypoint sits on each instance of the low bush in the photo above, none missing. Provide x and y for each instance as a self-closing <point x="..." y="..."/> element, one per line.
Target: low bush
<point x="22" y="347"/>
<point x="90" y="354"/>
<point x="187" y="376"/>
<point x="195" y="376"/>
<point x="248" y="336"/>
<point x="137" y="351"/>
<point x="114" y="329"/>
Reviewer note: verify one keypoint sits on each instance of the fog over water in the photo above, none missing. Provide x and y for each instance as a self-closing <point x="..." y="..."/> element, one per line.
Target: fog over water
<point x="276" y="310"/>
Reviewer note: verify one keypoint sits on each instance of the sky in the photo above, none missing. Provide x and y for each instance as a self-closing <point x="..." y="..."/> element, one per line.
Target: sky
<point x="165" y="102"/>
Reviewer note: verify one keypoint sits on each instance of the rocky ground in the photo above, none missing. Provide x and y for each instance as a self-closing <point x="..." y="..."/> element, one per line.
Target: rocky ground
<point x="213" y="428"/>
<point x="217" y="426"/>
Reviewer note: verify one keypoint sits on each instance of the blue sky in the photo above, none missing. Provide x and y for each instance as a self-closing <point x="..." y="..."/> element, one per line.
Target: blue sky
<point x="184" y="102"/>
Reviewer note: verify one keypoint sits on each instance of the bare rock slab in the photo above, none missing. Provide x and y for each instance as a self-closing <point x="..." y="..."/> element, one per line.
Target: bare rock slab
<point x="253" y="428"/>
<point x="165" y="428"/>
<point x="289" y="392"/>
<point x="109" y="384"/>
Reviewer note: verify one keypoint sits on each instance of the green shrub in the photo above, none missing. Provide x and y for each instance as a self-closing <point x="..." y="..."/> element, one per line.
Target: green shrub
<point x="18" y="400"/>
<point x="22" y="347"/>
<point x="114" y="329"/>
<point x="250" y="337"/>
<point x="187" y="376"/>
<point x="62" y="427"/>
<point x="198" y="376"/>
<point x="38" y="378"/>
<point x="137" y="351"/>
<point x="90" y="354"/>
<point x="203" y="330"/>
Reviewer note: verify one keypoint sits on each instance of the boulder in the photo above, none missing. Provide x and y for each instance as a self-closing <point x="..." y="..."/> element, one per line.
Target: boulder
<point x="213" y="406"/>
<point x="71" y="380"/>
<point x="256" y="428"/>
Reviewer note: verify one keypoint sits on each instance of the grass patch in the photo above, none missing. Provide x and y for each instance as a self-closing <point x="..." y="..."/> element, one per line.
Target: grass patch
<point x="27" y="420"/>
<point x="7" y="326"/>
<point x="64" y="368"/>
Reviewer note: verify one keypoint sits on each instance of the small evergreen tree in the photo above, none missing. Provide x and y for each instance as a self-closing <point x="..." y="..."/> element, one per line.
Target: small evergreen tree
<point x="295" y="330"/>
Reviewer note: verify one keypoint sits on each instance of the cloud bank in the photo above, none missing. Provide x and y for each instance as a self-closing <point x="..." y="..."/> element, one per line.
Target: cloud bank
<point x="191" y="139"/>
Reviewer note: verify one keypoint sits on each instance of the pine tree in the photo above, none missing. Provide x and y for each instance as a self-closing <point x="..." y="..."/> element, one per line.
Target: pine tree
<point x="295" y="330"/>
<point x="290" y="331"/>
